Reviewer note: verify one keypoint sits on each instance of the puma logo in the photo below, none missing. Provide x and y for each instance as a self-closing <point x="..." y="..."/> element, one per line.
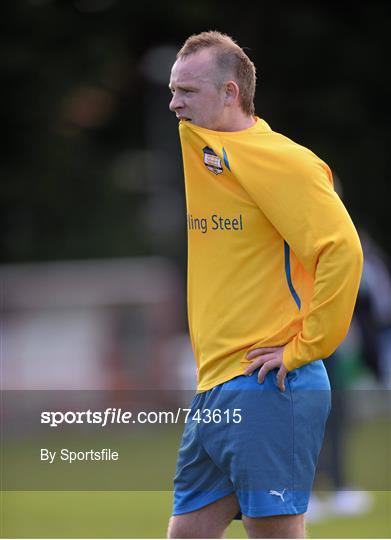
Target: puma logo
<point x="281" y="495"/>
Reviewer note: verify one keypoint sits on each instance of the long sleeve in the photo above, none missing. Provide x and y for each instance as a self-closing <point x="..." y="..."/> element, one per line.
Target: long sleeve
<point x="294" y="191"/>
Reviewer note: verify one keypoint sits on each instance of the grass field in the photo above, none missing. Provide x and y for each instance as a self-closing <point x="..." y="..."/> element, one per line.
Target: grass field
<point x="144" y="514"/>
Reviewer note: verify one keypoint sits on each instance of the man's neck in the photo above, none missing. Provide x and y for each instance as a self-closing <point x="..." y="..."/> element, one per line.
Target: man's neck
<point x="238" y="122"/>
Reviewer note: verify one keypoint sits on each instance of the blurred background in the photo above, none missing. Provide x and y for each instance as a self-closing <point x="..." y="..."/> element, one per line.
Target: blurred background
<point x="93" y="232"/>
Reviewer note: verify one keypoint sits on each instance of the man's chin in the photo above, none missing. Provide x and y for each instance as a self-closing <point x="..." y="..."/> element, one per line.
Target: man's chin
<point x="199" y="124"/>
<point x="206" y="125"/>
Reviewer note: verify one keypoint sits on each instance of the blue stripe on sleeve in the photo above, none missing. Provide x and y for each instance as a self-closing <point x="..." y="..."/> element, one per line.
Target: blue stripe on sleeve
<point x="288" y="275"/>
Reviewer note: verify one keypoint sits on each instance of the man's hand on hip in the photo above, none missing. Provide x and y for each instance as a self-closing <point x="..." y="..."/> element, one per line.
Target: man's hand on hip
<point x="267" y="358"/>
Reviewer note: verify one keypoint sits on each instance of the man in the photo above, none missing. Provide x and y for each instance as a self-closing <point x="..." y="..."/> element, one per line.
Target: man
<point x="273" y="272"/>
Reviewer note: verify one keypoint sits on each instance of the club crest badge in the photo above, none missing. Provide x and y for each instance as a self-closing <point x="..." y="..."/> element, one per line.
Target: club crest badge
<point x="212" y="160"/>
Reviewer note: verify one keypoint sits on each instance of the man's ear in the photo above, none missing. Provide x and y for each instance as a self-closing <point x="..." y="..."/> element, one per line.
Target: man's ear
<point x="231" y="93"/>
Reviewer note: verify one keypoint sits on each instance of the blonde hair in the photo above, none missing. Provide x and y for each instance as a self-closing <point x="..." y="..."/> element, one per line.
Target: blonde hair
<point x="230" y="59"/>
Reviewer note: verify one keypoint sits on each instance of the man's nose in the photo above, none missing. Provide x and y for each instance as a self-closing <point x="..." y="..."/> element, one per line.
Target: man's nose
<point x="175" y="103"/>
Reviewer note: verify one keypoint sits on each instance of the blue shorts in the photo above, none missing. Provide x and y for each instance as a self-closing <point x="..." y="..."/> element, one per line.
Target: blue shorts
<point x="255" y="441"/>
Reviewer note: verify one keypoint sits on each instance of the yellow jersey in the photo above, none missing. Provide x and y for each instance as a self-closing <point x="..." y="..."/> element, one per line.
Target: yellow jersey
<point x="273" y="256"/>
